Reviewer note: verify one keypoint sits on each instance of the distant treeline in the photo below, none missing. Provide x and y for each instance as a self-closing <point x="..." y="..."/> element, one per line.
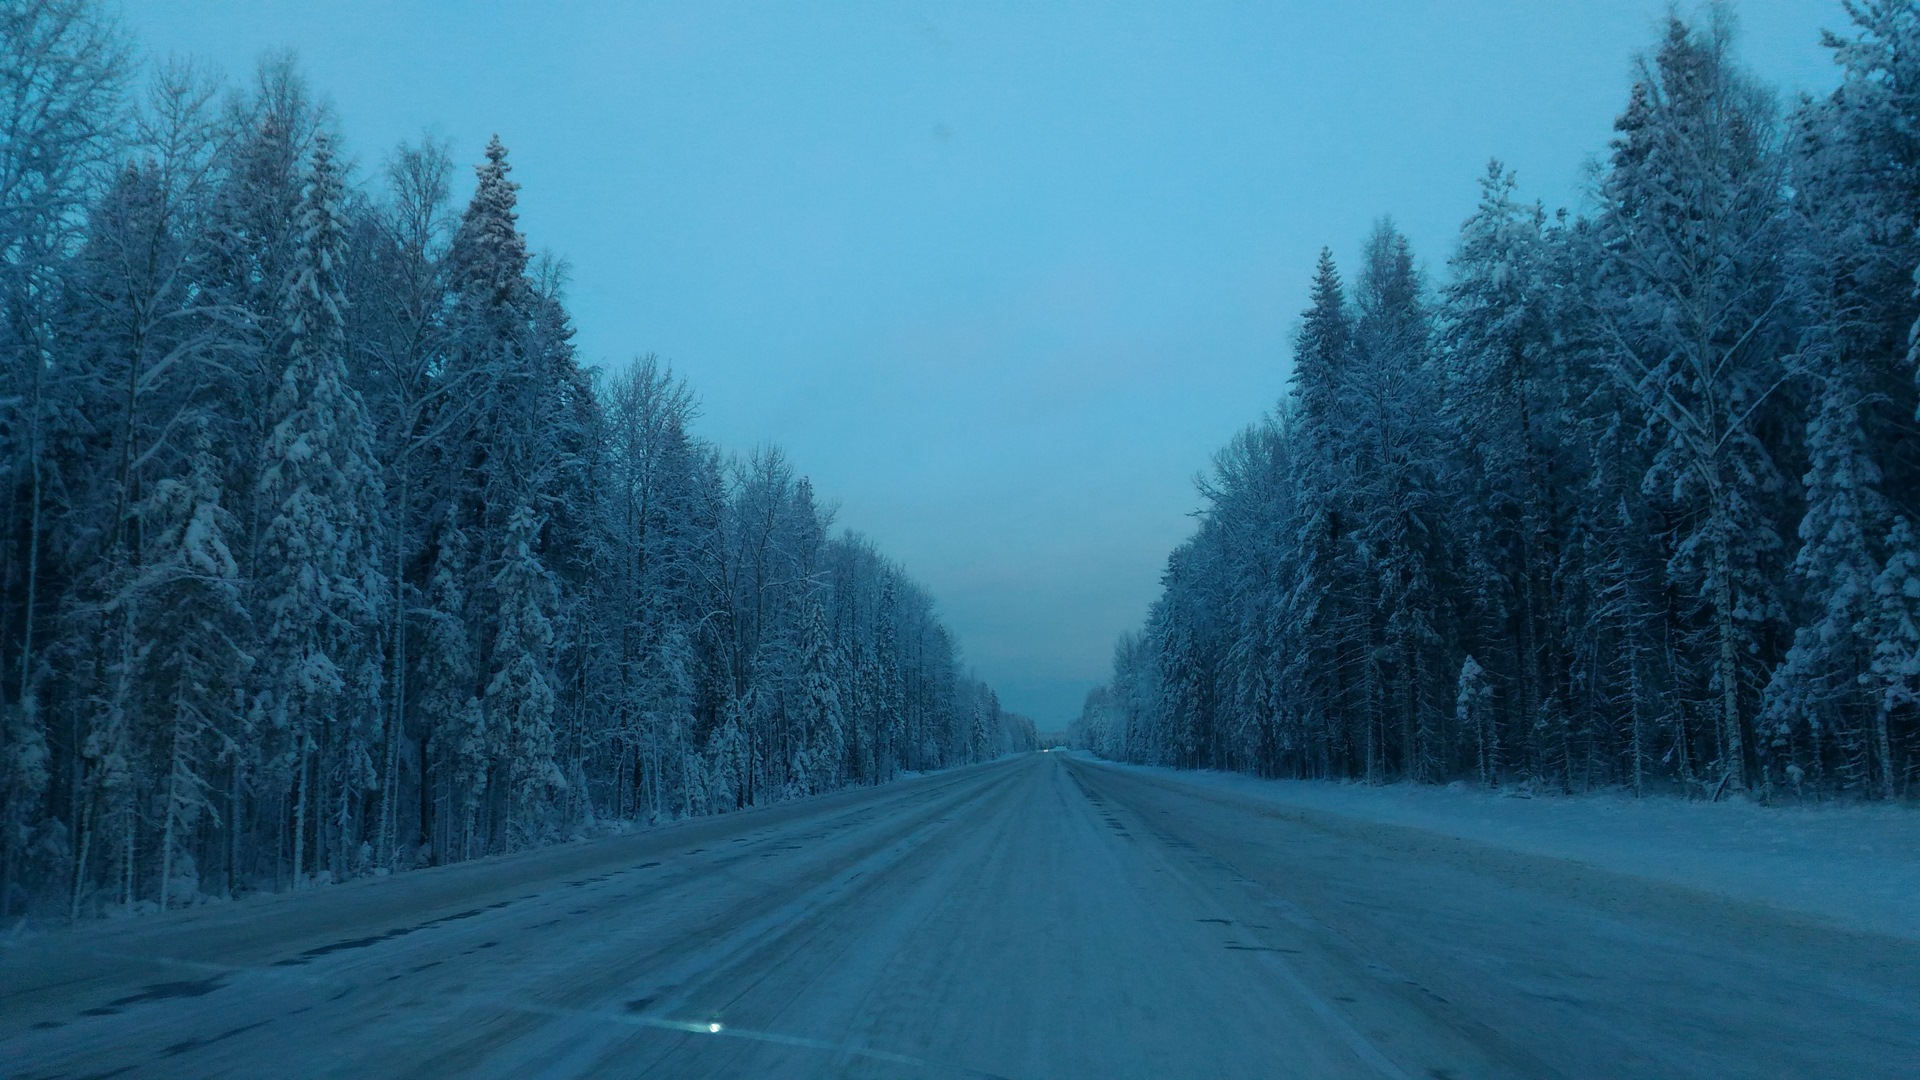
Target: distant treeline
<point x="324" y="555"/>
<point x="1627" y="499"/>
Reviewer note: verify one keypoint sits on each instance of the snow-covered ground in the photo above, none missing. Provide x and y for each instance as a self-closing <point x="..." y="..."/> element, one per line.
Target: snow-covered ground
<point x="1044" y="916"/>
<point x="1855" y="864"/>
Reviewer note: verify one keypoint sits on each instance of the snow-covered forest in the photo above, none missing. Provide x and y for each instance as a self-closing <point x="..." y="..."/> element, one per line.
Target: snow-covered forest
<point x="1625" y="497"/>
<point x="325" y="554"/>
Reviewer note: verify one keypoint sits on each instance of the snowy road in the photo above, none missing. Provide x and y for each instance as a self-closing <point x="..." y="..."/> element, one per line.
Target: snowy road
<point x="1042" y="916"/>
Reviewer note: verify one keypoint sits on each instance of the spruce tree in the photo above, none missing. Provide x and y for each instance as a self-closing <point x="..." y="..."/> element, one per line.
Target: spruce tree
<point x="520" y="696"/>
<point x="320" y="569"/>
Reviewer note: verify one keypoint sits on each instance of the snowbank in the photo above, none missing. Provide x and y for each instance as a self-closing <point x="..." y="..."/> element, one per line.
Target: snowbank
<point x="1852" y="864"/>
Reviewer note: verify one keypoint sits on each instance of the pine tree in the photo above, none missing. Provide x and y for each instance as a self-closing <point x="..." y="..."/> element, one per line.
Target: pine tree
<point x="520" y="695"/>
<point x="1870" y="131"/>
<point x="320" y="566"/>
<point x="195" y="669"/>
<point x="890" y="736"/>
<point x="453" y="749"/>
<point x="1473" y="712"/>
<point x="819" y="742"/>
<point x="1895" y="670"/>
<point x="1394" y="399"/>
<point x="1689" y="232"/>
<point x="1820" y="689"/>
<point x="1321" y="608"/>
<point x="1499" y="351"/>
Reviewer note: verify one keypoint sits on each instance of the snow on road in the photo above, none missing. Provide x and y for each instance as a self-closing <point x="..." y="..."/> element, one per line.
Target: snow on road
<point x="1041" y="916"/>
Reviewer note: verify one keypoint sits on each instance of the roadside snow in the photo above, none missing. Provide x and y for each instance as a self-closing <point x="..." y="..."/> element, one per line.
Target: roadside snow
<point x="1852" y="864"/>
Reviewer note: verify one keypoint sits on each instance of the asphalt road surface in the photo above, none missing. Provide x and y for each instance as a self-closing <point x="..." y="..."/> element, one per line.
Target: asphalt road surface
<point x="1036" y="917"/>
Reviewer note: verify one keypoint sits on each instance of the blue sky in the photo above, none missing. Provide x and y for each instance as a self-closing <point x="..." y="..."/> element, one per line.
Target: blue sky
<point x="1000" y="276"/>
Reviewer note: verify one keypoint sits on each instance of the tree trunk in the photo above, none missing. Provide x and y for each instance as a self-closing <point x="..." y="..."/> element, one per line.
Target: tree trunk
<point x="166" y="832"/>
<point x="396" y="712"/>
<point x="80" y="860"/>
<point x="300" y="821"/>
<point x="1728" y="667"/>
<point x="427" y="837"/>
<point x="1883" y="750"/>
